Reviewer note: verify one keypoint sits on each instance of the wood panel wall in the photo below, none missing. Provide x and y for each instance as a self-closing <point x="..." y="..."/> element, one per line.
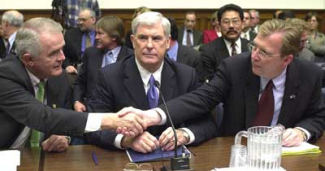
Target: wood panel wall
<point x="203" y="16"/>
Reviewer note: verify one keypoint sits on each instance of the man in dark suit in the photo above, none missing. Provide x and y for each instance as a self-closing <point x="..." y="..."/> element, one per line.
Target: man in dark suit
<point x="230" y="18"/>
<point x="127" y="83"/>
<point x="247" y="32"/>
<point x="108" y="50"/>
<point x="179" y="53"/>
<point x="78" y="39"/>
<point x="292" y="88"/>
<point x="11" y="21"/>
<point x="39" y="49"/>
<point x="188" y="36"/>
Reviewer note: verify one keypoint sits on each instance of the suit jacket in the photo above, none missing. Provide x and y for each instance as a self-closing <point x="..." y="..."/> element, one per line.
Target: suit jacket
<point x="209" y="36"/>
<point x="213" y="53"/>
<point x="238" y="88"/>
<point x="197" y="36"/>
<point x="87" y="77"/>
<point x="121" y="86"/>
<point x="72" y="48"/>
<point x="2" y="48"/>
<point x="19" y="107"/>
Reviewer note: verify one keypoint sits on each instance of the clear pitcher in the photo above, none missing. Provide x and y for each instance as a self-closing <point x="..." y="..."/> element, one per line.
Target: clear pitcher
<point x="263" y="147"/>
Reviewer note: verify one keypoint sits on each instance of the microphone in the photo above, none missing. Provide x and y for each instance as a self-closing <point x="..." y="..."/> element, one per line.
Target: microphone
<point x="176" y="163"/>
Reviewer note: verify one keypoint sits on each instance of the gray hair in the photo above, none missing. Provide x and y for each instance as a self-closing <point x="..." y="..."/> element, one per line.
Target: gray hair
<point x="14" y="18"/>
<point x="91" y="12"/>
<point x="151" y="18"/>
<point x="28" y="37"/>
<point x="256" y="12"/>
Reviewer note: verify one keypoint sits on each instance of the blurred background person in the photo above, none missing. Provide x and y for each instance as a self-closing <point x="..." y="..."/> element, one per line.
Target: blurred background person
<point x="214" y="32"/>
<point x="316" y="39"/>
<point x="255" y="20"/>
<point x="188" y="35"/>
<point x="247" y="33"/>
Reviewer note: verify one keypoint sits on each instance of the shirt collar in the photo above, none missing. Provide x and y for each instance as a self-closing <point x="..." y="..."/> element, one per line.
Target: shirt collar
<point x="172" y="51"/>
<point x="35" y="81"/>
<point x="145" y="74"/>
<point x="238" y="45"/>
<point x="115" y="51"/>
<point x="12" y="38"/>
<point x="278" y="81"/>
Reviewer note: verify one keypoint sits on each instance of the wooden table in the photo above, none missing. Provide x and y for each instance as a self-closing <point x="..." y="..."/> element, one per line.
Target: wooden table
<point x="211" y="154"/>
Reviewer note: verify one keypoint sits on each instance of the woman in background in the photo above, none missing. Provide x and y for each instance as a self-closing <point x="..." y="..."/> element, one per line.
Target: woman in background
<point x="210" y="35"/>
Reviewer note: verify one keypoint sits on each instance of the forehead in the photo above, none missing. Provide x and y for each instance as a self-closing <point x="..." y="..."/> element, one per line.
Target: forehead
<point x="84" y="14"/>
<point x="230" y="14"/>
<point x="272" y="43"/>
<point x="190" y="16"/>
<point x="154" y="29"/>
<point x="246" y="14"/>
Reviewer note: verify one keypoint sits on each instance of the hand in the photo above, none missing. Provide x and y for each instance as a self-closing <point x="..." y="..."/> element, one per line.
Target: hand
<point x="292" y="137"/>
<point x="167" y="139"/>
<point x="143" y="143"/>
<point x="71" y="69"/>
<point x="79" y="107"/>
<point x="150" y="117"/>
<point x="132" y="124"/>
<point x="55" y="143"/>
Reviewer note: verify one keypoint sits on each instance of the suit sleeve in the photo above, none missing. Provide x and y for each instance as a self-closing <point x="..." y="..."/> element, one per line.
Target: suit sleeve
<point x="101" y="102"/>
<point x="208" y="62"/>
<point x="80" y="85"/>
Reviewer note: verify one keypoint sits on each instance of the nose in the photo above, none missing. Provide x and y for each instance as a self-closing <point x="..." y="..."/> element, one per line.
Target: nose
<point x="61" y="55"/>
<point x="149" y="43"/>
<point x="254" y="55"/>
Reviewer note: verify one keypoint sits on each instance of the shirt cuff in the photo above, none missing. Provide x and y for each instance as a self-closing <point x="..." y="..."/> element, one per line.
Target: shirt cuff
<point x="162" y="115"/>
<point x="191" y="135"/>
<point x="118" y="141"/>
<point x="94" y="122"/>
<point x="305" y="131"/>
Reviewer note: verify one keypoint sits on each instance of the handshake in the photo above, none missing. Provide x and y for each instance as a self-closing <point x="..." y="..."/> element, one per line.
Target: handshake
<point x="130" y="121"/>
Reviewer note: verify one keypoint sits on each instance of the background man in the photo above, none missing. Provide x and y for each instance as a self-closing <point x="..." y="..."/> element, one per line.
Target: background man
<point x="78" y="39"/>
<point x="188" y="36"/>
<point x="255" y="20"/>
<point x="247" y="32"/>
<point x="131" y="83"/>
<point x="109" y="49"/>
<point x="11" y="22"/>
<point x="230" y="18"/>
<point x="40" y="56"/>
<point x="265" y="87"/>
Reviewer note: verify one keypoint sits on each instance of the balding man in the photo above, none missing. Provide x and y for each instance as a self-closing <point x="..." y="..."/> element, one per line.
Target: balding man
<point x="11" y="22"/>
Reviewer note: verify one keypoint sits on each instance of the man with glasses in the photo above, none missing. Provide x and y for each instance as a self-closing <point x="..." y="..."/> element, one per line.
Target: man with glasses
<point x="78" y="39"/>
<point x="267" y="86"/>
<point x="230" y="18"/>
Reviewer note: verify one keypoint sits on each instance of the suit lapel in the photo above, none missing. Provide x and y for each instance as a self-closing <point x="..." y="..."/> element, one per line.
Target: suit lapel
<point x="168" y="81"/>
<point x="223" y="49"/>
<point x="99" y="58"/>
<point x="134" y="85"/>
<point x="251" y="97"/>
<point x="290" y="93"/>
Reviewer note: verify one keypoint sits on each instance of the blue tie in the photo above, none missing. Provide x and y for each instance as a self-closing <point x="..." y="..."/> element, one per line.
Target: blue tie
<point x="152" y="93"/>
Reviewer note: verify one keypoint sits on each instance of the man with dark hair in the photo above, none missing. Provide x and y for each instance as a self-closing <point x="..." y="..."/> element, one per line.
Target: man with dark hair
<point x="230" y="18"/>
<point x="108" y="50"/>
<point x="247" y="32"/>
<point x="179" y="53"/>
<point x="187" y="35"/>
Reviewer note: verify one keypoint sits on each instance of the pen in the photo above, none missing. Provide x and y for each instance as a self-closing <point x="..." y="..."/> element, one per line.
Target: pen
<point x="93" y="155"/>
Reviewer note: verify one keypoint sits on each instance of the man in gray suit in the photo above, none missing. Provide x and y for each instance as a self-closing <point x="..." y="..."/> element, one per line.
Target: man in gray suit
<point x="39" y="48"/>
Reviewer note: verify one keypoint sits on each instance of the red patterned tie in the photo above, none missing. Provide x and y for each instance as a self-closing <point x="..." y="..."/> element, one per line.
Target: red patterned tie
<point x="265" y="108"/>
<point x="233" y="49"/>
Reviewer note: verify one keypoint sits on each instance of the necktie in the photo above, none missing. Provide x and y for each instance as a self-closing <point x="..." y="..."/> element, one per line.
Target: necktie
<point x="152" y="94"/>
<point x="88" y="40"/>
<point x="188" y="38"/>
<point x="233" y="49"/>
<point x="36" y="135"/>
<point x="108" y="59"/>
<point x="265" y="108"/>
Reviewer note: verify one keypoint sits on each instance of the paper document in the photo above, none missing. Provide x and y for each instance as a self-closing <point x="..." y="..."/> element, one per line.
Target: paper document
<point x="304" y="148"/>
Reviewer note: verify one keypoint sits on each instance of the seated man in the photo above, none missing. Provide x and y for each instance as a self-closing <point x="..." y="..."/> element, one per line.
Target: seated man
<point x="131" y="82"/>
<point x="265" y="87"/>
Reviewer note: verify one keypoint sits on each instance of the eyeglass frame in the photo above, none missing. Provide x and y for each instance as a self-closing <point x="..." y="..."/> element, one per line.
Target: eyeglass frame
<point x="261" y="53"/>
<point x="234" y="21"/>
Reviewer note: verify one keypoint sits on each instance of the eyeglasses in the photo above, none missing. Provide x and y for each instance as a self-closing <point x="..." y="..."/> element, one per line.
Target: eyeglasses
<point x="138" y="167"/>
<point x="261" y="52"/>
<point x="235" y="21"/>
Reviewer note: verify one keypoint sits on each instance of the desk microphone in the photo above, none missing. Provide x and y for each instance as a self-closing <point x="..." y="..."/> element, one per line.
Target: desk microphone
<point x="176" y="163"/>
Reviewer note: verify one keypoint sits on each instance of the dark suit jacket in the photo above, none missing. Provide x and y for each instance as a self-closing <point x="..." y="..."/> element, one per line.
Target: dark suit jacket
<point x="121" y="86"/>
<point x="197" y="36"/>
<point x="19" y="108"/>
<point x="72" y="48"/>
<point x="213" y="53"/>
<point x="87" y="77"/>
<point x="238" y="88"/>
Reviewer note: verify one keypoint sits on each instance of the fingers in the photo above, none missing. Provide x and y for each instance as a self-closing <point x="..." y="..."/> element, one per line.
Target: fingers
<point x="79" y="107"/>
<point x="292" y="137"/>
<point x="166" y="136"/>
<point x="145" y="143"/>
<point x="55" y="143"/>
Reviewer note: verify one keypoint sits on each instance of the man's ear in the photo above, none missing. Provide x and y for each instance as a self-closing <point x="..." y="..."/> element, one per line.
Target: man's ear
<point x="288" y="59"/>
<point x="132" y="37"/>
<point x="27" y="60"/>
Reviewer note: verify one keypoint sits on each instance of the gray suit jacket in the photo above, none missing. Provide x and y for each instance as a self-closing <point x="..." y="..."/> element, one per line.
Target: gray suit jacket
<point x="19" y="108"/>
